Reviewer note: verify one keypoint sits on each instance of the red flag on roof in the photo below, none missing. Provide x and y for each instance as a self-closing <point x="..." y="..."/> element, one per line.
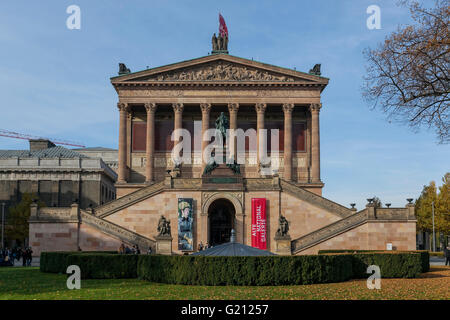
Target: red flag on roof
<point x="223" y="26"/>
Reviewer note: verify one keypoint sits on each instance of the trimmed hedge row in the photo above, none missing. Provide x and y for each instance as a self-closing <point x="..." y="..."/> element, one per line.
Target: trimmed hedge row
<point x="275" y="270"/>
<point x="104" y="265"/>
<point x="56" y="262"/>
<point x="424" y="255"/>
<point x="392" y="265"/>
<point x="207" y="270"/>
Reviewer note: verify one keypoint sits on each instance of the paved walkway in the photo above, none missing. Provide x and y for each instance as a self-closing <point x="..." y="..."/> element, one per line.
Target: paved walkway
<point x="34" y="262"/>
<point x="437" y="261"/>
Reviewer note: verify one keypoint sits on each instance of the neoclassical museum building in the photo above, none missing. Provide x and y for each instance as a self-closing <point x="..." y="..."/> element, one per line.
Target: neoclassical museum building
<point x="203" y="203"/>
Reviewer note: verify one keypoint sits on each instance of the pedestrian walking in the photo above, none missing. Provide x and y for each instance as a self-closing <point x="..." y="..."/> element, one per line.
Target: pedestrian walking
<point x="447" y="255"/>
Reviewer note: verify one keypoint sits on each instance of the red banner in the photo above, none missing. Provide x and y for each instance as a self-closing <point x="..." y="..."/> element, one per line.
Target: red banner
<point x="223" y="30"/>
<point x="259" y="223"/>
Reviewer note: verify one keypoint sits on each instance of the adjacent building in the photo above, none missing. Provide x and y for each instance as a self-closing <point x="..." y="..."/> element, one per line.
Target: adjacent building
<point x="57" y="175"/>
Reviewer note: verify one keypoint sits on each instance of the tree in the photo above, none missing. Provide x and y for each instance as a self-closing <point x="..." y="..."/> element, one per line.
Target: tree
<point x="441" y="207"/>
<point x="377" y="202"/>
<point x="17" y="227"/>
<point x="407" y="76"/>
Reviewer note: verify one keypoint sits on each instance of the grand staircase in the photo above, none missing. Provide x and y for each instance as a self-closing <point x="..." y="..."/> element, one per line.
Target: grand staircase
<point x="128" y="200"/>
<point x="113" y="229"/>
<point x="313" y="198"/>
<point x="329" y="231"/>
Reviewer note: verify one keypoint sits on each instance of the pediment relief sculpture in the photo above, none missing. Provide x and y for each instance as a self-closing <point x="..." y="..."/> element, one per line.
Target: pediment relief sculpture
<point x="220" y="71"/>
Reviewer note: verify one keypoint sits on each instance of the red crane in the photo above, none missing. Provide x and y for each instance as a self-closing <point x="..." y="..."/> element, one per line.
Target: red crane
<point x="16" y="135"/>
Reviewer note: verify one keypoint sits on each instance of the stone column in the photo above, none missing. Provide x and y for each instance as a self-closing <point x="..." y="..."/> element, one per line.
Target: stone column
<point x="287" y="109"/>
<point x="260" y="109"/>
<point x="233" y="110"/>
<point x="178" y="118"/>
<point x="122" y="154"/>
<point x="315" y="142"/>
<point x="206" y="108"/>
<point x="150" y="141"/>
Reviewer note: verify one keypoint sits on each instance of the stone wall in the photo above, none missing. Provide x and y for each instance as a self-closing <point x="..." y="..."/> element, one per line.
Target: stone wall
<point x="143" y="217"/>
<point x="373" y="235"/>
<point x="51" y="236"/>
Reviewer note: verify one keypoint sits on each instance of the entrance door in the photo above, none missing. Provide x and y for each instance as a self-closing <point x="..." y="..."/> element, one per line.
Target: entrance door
<point x="221" y="220"/>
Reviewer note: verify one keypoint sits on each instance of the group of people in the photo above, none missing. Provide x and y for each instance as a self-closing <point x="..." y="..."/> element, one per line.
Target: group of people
<point x="202" y="246"/>
<point x="8" y="256"/>
<point x="124" y="249"/>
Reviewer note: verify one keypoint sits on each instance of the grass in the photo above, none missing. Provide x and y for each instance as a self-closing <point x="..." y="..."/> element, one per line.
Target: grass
<point x="30" y="283"/>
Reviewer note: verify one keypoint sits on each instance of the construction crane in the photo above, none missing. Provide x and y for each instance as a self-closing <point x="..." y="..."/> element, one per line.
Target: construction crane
<point x="16" y="135"/>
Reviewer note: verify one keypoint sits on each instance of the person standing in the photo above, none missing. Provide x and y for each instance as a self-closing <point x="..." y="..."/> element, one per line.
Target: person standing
<point x="30" y="256"/>
<point x="24" y="257"/>
<point x="447" y="255"/>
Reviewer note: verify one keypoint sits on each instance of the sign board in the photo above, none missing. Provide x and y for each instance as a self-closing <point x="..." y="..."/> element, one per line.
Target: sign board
<point x="185" y="224"/>
<point x="389" y="246"/>
<point x="259" y="236"/>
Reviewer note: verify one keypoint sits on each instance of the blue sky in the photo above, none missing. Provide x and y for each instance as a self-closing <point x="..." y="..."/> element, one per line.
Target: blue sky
<point x="54" y="82"/>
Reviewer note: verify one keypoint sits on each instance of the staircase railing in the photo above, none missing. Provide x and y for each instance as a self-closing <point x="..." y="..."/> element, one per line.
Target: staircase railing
<point x="127" y="200"/>
<point x="113" y="229"/>
<point x="329" y="231"/>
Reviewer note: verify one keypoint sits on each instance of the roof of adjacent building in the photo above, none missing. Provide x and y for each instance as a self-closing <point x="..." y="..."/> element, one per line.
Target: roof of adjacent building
<point x="94" y="149"/>
<point x="233" y="248"/>
<point x="54" y="152"/>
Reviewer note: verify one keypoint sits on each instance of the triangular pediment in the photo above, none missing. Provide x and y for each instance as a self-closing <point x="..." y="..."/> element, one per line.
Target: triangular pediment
<point x="220" y="68"/>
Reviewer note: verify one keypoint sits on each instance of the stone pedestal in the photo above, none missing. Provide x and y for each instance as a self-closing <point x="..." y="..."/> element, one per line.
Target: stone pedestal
<point x="164" y="245"/>
<point x="283" y="245"/>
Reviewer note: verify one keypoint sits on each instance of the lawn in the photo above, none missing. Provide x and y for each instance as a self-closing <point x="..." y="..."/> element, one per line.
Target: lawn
<point x="30" y="283"/>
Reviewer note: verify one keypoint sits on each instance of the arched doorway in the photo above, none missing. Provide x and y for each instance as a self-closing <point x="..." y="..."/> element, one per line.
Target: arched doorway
<point x="221" y="215"/>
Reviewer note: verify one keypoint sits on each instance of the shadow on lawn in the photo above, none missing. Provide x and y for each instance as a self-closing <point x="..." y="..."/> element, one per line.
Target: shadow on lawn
<point x="20" y="282"/>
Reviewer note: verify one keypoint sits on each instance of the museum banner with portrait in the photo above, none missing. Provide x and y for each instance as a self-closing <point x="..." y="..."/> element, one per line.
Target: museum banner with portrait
<point x="185" y="224"/>
<point x="259" y="223"/>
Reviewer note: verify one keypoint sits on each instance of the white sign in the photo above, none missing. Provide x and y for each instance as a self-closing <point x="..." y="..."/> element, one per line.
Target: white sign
<point x="389" y="246"/>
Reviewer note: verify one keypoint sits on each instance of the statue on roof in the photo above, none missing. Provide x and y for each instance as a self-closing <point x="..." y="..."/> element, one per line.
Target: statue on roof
<point x="123" y="69"/>
<point x="315" y="70"/>
<point x="214" y="43"/>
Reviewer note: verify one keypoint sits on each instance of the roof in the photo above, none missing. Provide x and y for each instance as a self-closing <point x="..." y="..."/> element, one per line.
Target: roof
<point x="54" y="152"/>
<point x="233" y="248"/>
<point x="228" y="57"/>
<point x="219" y="70"/>
<point x="94" y="149"/>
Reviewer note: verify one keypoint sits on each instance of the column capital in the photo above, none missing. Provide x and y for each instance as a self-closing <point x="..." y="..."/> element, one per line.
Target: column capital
<point x="260" y="107"/>
<point x="233" y="107"/>
<point x="315" y="107"/>
<point x="150" y="107"/>
<point x="177" y="107"/>
<point x="288" y="107"/>
<point x="122" y="106"/>
<point x="205" y="107"/>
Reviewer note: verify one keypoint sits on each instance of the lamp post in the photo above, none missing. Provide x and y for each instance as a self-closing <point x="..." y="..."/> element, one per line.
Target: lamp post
<point x="434" y="236"/>
<point x="3" y="225"/>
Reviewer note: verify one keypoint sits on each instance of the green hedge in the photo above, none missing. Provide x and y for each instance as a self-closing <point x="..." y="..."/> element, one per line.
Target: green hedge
<point x="56" y="262"/>
<point x="275" y="270"/>
<point x="207" y="270"/>
<point x="424" y="255"/>
<point x="104" y="265"/>
<point x="392" y="265"/>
